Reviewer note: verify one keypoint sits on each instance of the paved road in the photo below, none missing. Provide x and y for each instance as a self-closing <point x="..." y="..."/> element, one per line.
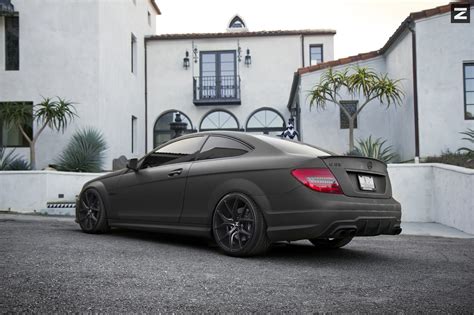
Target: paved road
<point x="48" y="265"/>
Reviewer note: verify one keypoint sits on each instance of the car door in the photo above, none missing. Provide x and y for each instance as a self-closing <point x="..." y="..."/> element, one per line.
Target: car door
<point x="216" y="163"/>
<point x="155" y="192"/>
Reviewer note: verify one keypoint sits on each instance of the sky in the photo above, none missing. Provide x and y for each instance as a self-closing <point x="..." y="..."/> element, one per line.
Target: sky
<point x="361" y="25"/>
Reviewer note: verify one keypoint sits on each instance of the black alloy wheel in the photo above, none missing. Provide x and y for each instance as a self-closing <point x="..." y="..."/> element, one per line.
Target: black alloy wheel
<point x="238" y="226"/>
<point x="91" y="212"/>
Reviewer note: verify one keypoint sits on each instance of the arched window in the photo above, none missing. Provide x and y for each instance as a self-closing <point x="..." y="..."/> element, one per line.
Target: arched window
<point x="265" y="120"/>
<point x="219" y="119"/>
<point x="236" y="22"/>
<point x="162" y="132"/>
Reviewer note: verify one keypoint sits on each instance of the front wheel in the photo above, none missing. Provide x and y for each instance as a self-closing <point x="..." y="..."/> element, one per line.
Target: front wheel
<point x="331" y="243"/>
<point x="91" y="213"/>
<point x="238" y="227"/>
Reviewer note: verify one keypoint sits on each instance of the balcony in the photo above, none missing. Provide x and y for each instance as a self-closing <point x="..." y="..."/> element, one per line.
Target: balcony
<point x="220" y="90"/>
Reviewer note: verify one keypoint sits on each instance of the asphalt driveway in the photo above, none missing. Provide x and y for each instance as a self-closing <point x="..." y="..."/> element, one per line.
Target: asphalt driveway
<point x="48" y="265"/>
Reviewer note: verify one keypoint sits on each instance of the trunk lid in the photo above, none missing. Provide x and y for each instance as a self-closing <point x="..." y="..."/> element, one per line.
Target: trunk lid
<point x="360" y="176"/>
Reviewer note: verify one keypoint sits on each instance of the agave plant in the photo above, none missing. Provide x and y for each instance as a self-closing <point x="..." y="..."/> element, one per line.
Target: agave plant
<point x="84" y="152"/>
<point x="470" y="137"/>
<point x="12" y="162"/>
<point x="374" y="149"/>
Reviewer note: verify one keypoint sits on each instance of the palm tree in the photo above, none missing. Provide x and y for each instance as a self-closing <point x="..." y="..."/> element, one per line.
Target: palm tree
<point x="359" y="82"/>
<point x="55" y="114"/>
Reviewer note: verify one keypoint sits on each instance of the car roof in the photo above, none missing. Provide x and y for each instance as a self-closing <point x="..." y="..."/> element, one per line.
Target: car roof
<point x="254" y="140"/>
<point x="239" y="135"/>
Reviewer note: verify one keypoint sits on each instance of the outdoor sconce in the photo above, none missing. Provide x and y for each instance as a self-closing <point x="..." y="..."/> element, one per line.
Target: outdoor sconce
<point x="195" y="55"/>
<point x="248" y="58"/>
<point x="186" y="60"/>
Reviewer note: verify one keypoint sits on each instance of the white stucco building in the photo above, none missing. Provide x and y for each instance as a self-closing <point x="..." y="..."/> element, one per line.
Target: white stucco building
<point x="89" y="52"/>
<point x="236" y="80"/>
<point x="129" y="83"/>
<point x="435" y="60"/>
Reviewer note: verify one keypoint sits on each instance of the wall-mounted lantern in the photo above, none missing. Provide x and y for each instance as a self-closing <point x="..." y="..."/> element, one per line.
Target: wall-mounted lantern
<point x="186" y="60"/>
<point x="248" y="58"/>
<point x="195" y="55"/>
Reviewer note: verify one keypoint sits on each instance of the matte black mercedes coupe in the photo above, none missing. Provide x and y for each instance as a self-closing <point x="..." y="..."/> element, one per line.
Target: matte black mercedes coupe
<point x="245" y="192"/>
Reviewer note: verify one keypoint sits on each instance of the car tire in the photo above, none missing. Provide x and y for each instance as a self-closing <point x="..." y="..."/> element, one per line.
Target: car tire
<point x="331" y="243"/>
<point x="238" y="226"/>
<point x="91" y="213"/>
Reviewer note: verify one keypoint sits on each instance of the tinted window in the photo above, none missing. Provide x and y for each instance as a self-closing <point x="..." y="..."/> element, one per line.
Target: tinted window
<point x="180" y="151"/>
<point x="221" y="147"/>
<point x="293" y="147"/>
<point x="315" y="54"/>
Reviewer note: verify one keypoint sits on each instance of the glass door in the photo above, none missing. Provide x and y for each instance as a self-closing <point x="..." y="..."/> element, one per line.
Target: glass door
<point x="218" y="75"/>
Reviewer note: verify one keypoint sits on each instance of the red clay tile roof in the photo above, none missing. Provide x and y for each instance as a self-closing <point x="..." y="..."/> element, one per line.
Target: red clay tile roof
<point x="333" y="63"/>
<point x="364" y="56"/>
<point x="155" y="6"/>
<point x="239" y="34"/>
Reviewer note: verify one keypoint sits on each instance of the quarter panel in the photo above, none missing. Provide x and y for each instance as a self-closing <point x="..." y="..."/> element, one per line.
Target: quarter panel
<point x="209" y="181"/>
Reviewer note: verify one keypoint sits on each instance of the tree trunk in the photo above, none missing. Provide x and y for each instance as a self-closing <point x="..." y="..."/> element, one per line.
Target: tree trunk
<point x="351" y="134"/>
<point x="32" y="156"/>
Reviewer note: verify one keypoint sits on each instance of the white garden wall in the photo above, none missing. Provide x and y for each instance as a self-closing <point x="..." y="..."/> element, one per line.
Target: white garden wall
<point x="435" y="193"/>
<point x="29" y="191"/>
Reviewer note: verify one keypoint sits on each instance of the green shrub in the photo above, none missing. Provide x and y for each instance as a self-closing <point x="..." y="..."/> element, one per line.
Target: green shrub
<point x="12" y="162"/>
<point x="470" y="138"/>
<point x="374" y="149"/>
<point x="453" y="158"/>
<point x="84" y="152"/>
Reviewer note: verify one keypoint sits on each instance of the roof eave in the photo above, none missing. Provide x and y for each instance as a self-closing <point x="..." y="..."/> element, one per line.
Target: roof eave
<point x="155" y="7"/>
<point x="241" y="34"/>
<point x="294" y="88"/>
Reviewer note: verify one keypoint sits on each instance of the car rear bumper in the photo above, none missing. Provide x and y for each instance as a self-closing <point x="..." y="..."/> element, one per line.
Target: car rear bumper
<point x="304" y="214"/>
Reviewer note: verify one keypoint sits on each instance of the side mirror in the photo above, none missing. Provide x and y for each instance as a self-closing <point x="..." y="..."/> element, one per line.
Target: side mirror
<point x="133" y="164"/>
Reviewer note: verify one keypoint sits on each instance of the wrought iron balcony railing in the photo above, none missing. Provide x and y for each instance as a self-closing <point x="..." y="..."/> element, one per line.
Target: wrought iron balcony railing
<point x="220" y="90"/>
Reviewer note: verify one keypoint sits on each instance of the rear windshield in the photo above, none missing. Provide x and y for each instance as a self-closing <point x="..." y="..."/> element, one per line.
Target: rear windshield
<point x="293" y="147"/>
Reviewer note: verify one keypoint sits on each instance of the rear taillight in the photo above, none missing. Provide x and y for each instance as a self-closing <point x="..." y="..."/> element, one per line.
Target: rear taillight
<point x="319" y="179"/>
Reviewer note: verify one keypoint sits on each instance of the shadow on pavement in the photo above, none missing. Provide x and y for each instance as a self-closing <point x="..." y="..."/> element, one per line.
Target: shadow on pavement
<point x="281" y="251"/>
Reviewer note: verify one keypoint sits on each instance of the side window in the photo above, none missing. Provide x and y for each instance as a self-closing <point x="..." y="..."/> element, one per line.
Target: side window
<point x="177" y="152"/>
<point x="221" y="147"/>
<point x="315" y="54"/>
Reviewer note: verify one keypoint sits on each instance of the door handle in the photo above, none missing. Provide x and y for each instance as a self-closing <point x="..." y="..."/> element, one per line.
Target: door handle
<point x="175" y="172"/>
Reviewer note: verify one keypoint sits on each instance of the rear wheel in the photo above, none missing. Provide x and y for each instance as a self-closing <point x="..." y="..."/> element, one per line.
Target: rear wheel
<point x="331" y="243"/>
<point x="238" y="227"/>
<point x="91" y="212"/>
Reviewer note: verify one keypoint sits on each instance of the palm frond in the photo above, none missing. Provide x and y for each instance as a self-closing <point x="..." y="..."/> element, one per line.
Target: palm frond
<point x="57" y="114"/>
<point x="15" y="114"/>
<point x="470" y="138"/>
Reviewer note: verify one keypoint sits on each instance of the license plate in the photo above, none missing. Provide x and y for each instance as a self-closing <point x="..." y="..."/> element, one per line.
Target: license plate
<point x="366" y="182"/>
